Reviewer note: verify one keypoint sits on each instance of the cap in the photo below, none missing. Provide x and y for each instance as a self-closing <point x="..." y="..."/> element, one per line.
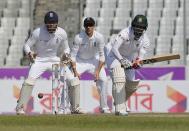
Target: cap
<point x="89" y="21"/>
<point x="51" y="16"/>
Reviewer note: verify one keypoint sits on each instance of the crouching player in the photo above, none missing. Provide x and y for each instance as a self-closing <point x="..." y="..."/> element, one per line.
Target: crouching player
<point x="87" y="55"/>
<point x="126" y="50"/>
<point x="46" y="40"/>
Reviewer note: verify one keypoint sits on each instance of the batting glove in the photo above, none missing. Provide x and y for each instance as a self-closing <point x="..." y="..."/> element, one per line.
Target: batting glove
<point x="125" y="63"/>
<point x="136" y="64"/>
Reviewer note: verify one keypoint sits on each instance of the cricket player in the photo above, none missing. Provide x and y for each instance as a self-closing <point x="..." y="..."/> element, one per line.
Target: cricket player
<point x="126" y="50"/>
<point x="87" y="55"/>
<point x="46" y="41"/>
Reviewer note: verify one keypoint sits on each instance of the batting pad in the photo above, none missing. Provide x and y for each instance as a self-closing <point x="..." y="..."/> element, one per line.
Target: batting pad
<point x="118" y="89"/>
<point x="74" y="93"/>
<point x="25" y="94"/>
<point x="131" y="87"/>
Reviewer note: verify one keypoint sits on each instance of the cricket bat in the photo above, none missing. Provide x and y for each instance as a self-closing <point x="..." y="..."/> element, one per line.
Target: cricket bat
<point x="160" y="59"/>
<point x="156" y="59"/>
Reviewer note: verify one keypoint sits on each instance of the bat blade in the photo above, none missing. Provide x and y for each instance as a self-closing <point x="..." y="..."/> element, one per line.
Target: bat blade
<point x="160" y="58"/>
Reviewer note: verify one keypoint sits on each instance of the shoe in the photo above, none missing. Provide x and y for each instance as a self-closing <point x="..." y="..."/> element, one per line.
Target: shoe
<point x="20" y="111"/>
<point x="107" y="111"/>
<point x="121" y="113"/>
<point x="63" y="111"/>
<point x="127" y="109"/>
<point x="78" y="111"/>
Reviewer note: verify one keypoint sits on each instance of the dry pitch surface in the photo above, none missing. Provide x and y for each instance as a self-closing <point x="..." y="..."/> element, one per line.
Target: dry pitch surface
<point x="98" y="122"/>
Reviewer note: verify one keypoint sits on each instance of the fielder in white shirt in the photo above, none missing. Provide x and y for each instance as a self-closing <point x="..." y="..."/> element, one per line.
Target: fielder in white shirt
<point x="46" y="41"/>
<point x="87" y="55"/>
<point x="125" y="51"/>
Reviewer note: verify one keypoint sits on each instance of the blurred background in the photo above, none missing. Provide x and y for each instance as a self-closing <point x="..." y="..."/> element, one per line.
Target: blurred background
<point x="168" y="32"/>
<point x="168" y="28"/>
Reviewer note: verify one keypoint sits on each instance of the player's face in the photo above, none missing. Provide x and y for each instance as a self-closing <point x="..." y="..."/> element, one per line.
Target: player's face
<point x="51" y="27"/>
<point x="89" y="29"/>
<point x="138" y="32"/>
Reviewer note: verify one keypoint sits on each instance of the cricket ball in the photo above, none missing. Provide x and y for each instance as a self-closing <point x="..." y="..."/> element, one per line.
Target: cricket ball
<point x="40" y="95"/>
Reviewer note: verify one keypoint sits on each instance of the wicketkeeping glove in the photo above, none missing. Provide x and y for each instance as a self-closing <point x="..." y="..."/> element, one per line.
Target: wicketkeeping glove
<point x="65" y="58"/>
<point x="125" y="63"/>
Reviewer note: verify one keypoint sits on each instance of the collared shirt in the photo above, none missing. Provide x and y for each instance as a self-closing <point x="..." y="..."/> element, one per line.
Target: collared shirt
<point x="47" y="44"/>
<point x="86" y="48"/>
<point x="125" y="46"/>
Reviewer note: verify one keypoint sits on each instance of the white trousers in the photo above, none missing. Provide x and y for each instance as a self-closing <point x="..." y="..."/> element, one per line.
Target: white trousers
<point x="38" y="68"/>
<point x="90" y="66"/>
<point x="113" y="62"/>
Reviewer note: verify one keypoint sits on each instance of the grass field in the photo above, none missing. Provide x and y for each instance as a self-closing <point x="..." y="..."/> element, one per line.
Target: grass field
<point x="133" y="122"/>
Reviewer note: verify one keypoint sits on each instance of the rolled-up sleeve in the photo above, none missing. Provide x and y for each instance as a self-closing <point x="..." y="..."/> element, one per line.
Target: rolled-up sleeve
<point x="30" y="42"/>
<point x="75" y="49"/>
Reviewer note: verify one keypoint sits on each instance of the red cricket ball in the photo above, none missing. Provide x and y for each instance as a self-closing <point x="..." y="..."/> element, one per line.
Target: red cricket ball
<point x="40" y="95"/>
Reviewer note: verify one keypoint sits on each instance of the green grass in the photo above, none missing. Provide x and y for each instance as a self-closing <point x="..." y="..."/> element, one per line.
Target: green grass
<point x="133" y="122"/>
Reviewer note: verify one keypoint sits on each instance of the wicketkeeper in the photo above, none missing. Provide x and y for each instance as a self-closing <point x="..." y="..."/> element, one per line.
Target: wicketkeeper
<point x="126" y="50"/>
<point x="46" y="41"/>
<point x="87" y="55"/>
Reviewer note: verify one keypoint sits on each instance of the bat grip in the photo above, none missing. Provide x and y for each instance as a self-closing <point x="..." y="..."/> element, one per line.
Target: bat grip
<point x="130" y="67"/>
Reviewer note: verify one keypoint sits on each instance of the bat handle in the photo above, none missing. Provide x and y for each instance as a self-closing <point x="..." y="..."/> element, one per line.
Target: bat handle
<point x="130" y="67"/>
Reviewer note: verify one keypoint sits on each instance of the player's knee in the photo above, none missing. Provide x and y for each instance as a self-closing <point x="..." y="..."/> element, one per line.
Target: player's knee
<point x="29" y="81"/>
<point x="74" y="82"/>
<point x="131" y="87"/>
<point x="118" y="75"/>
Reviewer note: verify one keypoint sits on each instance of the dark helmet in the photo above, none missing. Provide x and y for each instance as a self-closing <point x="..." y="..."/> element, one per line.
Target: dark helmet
<point x="139" y="25"/>
<point x="51" y="21"/>
<point x="89" y="21"/>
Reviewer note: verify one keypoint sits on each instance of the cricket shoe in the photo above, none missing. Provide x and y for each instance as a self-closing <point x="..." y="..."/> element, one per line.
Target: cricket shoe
<point x="105" y="110"/>
<point x="63" y="112"/>
<point x="121" y="113"/>
<point x="127" y="109"/>
<point x="78" y="111"/>
<point x="20" y="111"/>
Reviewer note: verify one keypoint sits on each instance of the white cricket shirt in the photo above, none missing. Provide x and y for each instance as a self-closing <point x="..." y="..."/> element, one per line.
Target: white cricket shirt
<point x="86" y="48"/>
<point x="47" y="44"/>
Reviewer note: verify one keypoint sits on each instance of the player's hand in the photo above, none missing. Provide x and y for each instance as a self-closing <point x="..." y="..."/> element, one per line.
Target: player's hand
<point x="136" y="64"/>
<point x="96" y="75"/>
<point x="32" y="56"/>
<point x="125" y="63"/>
<point x="65" y="58"/>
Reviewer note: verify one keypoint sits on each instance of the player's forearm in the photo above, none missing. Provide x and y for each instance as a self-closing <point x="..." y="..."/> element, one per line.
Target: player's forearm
<point x="101" y="63"/>
<point x="73" y="66"/>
